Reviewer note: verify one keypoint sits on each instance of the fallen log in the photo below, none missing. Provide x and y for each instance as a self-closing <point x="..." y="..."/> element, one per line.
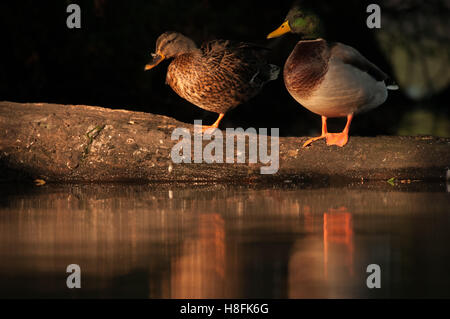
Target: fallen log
<point x="77" y="143"/>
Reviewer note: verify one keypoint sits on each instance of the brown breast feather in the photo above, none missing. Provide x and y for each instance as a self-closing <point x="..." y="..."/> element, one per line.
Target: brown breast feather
<point x="306" y="67"/>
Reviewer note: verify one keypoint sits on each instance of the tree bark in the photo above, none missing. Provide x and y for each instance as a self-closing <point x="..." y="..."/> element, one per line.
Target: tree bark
<point x="76" y="143"/>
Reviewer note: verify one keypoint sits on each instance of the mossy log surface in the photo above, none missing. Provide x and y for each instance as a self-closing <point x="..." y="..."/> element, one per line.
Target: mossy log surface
<point x="77" y="143"/>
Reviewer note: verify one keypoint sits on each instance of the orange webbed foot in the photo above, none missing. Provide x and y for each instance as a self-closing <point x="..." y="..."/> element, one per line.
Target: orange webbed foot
<point x="339" y="139"/>
<point x="308" y="142"/>
<point x="214" y="126"/>
<point x="211" y="128"/>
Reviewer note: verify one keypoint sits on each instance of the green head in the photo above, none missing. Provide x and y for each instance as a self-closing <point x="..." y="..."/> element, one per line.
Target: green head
<point x="300" y="21"/>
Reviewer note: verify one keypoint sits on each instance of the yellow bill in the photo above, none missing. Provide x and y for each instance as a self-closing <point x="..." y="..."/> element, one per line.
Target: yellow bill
<point x="284" y="28"/>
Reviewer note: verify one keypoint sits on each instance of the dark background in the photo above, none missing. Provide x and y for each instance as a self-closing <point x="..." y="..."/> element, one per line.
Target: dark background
<point x="103" y="62"/>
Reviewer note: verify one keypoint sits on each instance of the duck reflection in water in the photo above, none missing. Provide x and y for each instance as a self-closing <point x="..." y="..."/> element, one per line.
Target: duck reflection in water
<point x="200" y="270"/>
<point x="338" y="234"/>
<point x="315" y="266"/>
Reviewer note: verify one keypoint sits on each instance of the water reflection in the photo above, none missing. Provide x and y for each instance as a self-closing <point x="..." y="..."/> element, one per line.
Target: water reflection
<point x="199" y="271"/>
<point x="338" y="236"/>
<point x="224" y="241"/>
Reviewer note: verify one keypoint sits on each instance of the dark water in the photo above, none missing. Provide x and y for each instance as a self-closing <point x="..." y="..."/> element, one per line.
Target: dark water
<point x="196" y="241"/>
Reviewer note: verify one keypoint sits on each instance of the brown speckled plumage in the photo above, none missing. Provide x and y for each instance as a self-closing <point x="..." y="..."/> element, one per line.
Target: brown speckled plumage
<point x="218" y="76"/>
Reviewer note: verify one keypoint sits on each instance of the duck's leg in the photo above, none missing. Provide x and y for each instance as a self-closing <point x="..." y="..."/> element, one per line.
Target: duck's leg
<point x="215" y="125"/>
<point x="340" y="139"/>
<point x="324" y="133"/>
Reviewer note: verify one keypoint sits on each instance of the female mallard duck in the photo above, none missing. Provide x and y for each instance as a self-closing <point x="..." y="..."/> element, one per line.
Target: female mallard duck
<point x="329" y="79"/>
<point x="217" y="77"/>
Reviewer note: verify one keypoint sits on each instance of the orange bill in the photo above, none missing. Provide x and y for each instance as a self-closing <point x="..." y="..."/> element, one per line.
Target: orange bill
<point x="156" y="59"/>
<point x="284" y="28"/>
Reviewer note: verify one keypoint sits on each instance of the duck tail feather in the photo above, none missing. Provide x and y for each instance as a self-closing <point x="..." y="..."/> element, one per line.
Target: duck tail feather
<point x="392" y="87"/>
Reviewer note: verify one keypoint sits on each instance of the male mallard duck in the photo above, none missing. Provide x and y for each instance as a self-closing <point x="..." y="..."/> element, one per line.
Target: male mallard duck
<point x="329" y="79"/>
<point x="217" y="77"/>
